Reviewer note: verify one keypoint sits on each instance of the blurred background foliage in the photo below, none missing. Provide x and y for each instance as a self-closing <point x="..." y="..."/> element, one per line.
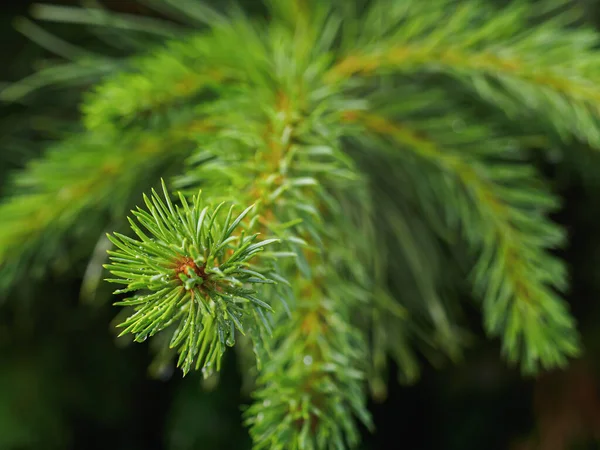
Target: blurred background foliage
<point x="67" y="383"/>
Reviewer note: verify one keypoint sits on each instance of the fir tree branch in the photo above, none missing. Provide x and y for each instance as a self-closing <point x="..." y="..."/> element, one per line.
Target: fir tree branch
<point x="537" y="71"/>
<point x="197" y="273"/>
<point x="310" y="389"/>
<point x="308" y="401"/>
<point x="272" y="95"/>
<point x="504" y="222"/>
<point x="276" y="159"/>
<point x="87" y="174"/>
<point x="155" y="83"/>
<point x="313" y="385"/>
<point x="416" y="266"/>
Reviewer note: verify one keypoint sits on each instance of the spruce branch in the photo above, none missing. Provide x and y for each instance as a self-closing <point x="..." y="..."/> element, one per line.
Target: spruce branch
<point x="251" y="109"/>
<point x="275" y="155"/>
<point x="502" y="216"/>
<point x="312" y="387"/>
<point x="78" y="176"/>
<point x="196" y="271"/>
<point x="545" y="71"/>
<point x="425" y="317"/>
<point x="152" y="84"/>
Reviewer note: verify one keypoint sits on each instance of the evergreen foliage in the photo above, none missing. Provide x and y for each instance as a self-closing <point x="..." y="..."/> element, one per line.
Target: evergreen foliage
<point x="194" y="273"/>
<point x="354" y="159"/>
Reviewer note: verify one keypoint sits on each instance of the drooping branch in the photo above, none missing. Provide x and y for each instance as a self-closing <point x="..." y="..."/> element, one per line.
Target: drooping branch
<point x="80" y="175"/>
<point x="548" y="71"/>
<point x="502" y="218"/>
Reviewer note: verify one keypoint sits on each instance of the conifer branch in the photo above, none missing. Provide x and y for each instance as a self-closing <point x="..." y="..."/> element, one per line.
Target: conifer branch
<point x="252" y="110"/>
<point x="75" y="177"/>
<point x="544" y="70"/>
<point x="515" y="275"/>
<point x="276" y="159"/>
<point x="197" y="273"/>
<point x="313" y="383"/>
<point x="422" y="55"/>
<point x="151" y="85"/>
<point x="312" y="386"/>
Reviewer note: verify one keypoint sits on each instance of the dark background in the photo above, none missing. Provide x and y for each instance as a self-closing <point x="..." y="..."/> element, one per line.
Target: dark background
<point x="66" y="384"/>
